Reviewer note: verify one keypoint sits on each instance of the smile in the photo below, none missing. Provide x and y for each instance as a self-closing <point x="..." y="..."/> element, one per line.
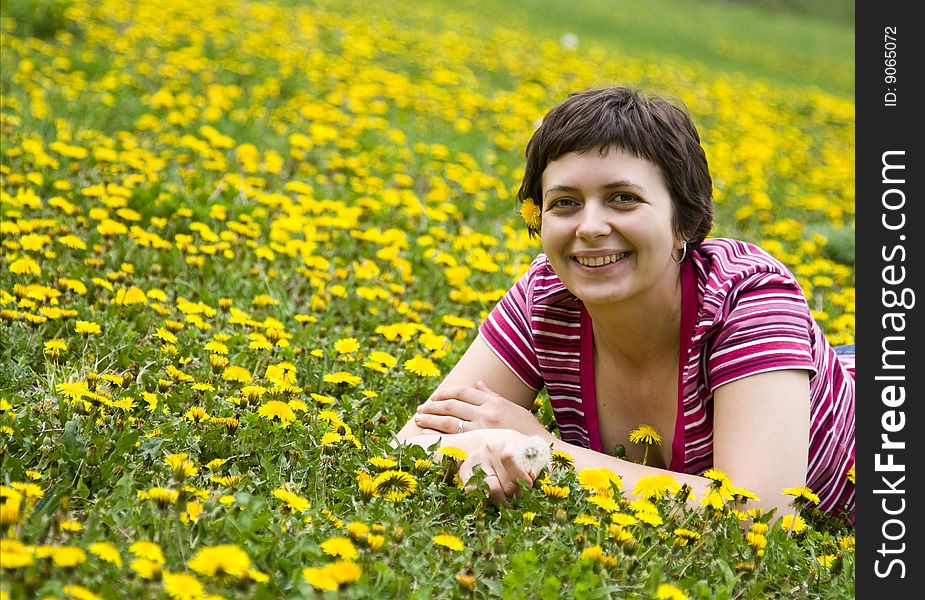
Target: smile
<point x="600" y="261"/>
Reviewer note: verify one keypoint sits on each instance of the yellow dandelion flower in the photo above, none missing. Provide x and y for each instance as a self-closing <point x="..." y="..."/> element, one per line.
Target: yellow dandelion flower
<point x="756" y="540"/>
<point x="55" y="347"/>
<point x="826" y="560"/>
<point x="347" y="345"/>
<point x="650" y="518"/>
<point x="341" y="547"/>
<point x="422" y="366"/>
<point x="366" y="484"/>
<point x="383" y="358"/>
<point x="718" y="478"/>
<point x="224" y="558"/>
<point x="453" y="453"/>
<point x="383" y="462"/>
<point x="606" y="503"/>
<point x="274" y="409"/>
<point x="87" y="327"/>
<point x="322" y="399"/>
<point x="358" y="530"/>
<point x="320" y="578"/>
<point x="78" y="592"/>
<point x="531" y="214"/>
<point x="10" y="505"/>
<point x="562" y="461"/>
<point x="587" y="520"/>
<point x="179" y="464"/>
<point x="599" y="479"/>
<point x="30" y="490"/>
<point x="655" y="486"/>
<point x="761" y="528"/>
<point x="686" y="535"/>
<point x="106" y="552"/>
<point x="15" y="555"/>
<point x="292" y="500"/>
<point x="183" y="586"/>
<point x="594" y="553"/>
<point x="448" y="541"/>
<point x="667" y="591"/>
<point x="144" y="568"/>
<point x="147" y="551"/>
<point x="238" y="374"/>
<point x="395" y="485"/>
<point x="342" y="377"/>
<point x="802" y="492"/>
<point x="67" y="556"/>
<point x="25" y="266"/>
<point x="645" y="434"/>
<point x="70" y="525"/>
<point x="793" y="523"/>
<point x="558" y="492"/>
<point x="161" y="496"/>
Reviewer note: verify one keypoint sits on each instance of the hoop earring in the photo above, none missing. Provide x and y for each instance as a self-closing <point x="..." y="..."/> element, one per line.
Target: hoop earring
<point x="683" y="254"/>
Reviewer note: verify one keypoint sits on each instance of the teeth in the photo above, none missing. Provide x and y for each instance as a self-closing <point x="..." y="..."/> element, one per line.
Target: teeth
<point x="599" y="261"/>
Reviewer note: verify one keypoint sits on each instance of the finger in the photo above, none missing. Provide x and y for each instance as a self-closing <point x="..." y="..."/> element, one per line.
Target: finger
<point x="464" y="393"/>
<point x="516" y="473"/>
<point x="438" y="423"/>
<point x="449" y="408"/>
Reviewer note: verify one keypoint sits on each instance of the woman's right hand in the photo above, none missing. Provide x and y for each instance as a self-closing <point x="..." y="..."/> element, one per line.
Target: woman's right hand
<point x="497" y="452"/>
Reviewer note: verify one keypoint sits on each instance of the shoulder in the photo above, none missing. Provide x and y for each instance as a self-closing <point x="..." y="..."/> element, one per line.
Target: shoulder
<point x="542" y="286"/>
<point x="724" y="264"/>
<point x="730" y="270"/>
<point x="726" y="258"/>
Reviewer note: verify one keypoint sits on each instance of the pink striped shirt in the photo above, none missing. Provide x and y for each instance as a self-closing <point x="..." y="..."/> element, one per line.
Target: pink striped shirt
<point x="743" y="313"/>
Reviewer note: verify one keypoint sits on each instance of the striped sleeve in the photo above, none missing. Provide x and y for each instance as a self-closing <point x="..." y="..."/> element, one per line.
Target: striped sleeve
<point x="767" y="326"/>
<point x="507" y="331"/>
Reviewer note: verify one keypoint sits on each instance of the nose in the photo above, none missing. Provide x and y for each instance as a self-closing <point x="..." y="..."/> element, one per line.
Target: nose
<point x="592" y="222"/>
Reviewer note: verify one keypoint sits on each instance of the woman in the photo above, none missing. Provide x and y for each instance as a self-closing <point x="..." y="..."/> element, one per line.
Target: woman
<point x="630" y="316"/>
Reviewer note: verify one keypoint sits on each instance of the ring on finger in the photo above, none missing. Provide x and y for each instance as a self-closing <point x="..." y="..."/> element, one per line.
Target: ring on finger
<point x="461" y="426"/>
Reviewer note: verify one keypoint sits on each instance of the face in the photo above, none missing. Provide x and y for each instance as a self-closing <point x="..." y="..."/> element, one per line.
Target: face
<point x="607" y="226"/>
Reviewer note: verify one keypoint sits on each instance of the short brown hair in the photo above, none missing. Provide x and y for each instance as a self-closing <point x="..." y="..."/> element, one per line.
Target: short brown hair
<point x="649" y="126"/>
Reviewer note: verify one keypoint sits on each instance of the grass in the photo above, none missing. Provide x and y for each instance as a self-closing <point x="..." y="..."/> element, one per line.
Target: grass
<point x="794" y="48"/>
<point x="242" y="241"/>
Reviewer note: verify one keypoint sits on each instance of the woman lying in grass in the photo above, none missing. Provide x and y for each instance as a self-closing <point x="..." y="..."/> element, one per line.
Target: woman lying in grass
<point x="630" y="315"/>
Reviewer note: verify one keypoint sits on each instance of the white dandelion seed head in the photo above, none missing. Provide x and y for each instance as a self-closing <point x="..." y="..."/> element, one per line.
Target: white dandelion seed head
<point x="568" y="40"/>
<point x="533" y="455"/>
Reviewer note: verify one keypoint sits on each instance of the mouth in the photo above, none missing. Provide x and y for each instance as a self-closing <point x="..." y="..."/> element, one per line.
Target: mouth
<point x="600" y="261"/>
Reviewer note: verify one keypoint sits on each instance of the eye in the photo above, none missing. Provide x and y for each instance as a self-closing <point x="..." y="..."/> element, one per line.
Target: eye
<point x="624" y="198"/>
<point x="564" y="202"/>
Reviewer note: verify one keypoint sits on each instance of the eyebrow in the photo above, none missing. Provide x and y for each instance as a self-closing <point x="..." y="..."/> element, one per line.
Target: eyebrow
<point x="614" y="184"/>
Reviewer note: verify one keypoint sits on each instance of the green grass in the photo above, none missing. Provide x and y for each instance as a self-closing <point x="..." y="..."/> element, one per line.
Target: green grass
<point x="786" y="47"/>
<point x="87" y="428"/>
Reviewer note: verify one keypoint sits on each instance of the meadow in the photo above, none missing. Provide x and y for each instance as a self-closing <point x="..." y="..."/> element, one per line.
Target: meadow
<point x="242" y="241"/>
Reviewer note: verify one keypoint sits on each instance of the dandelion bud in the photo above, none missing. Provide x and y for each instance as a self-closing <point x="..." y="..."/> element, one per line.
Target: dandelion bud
<point x="466" y="581"/>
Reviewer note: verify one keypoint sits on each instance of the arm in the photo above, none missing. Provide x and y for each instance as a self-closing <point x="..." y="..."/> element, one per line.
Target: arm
<point x="460" y="397"/>
<point x="761" y="434"/>
<point x="761" y="439"/>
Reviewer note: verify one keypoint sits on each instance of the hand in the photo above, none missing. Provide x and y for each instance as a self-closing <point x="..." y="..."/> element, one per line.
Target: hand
<point x="459" y="409"/>
<point x="496" y="452"/>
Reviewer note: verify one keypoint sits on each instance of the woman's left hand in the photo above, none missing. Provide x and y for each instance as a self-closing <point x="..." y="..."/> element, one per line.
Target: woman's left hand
<point x="458" y="409"/>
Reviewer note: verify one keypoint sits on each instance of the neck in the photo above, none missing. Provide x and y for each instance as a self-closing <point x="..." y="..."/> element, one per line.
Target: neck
<point x="641" y="331"/>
